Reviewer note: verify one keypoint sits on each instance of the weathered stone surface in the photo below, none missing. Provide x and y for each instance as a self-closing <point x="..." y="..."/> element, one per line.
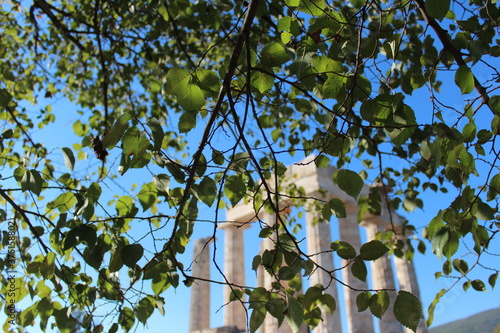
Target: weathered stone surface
<point x="200" y="290"/>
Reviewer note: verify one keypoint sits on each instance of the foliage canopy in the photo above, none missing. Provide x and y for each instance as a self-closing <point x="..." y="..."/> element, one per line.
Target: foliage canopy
<point x="207" y="101"/>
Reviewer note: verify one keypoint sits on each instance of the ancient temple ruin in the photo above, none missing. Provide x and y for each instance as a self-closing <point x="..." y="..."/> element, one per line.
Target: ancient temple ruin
<point x="317" y="183"/>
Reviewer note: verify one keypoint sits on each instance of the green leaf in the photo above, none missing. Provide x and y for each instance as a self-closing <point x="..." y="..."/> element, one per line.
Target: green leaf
<point x="469" y="132"/>
<point x="437" y="8"/>
<point x="349" y="181"/>
<point x="63" y="202"/>
<point x="460" y="265"/>
<point x="333" y="85"/>
<point x="464" y="78"/>
<point x="287" y="242"/>
<point x="286" y="273"/>
<point x="338" y="208"/>
<point x="48" y="266"/>
<point x="494" y="104"/>
<point x="379" y="303"/>
<point x="494" y="187"/>
<point x="177" y="78"/>
<point x="111" y="139"/>
<point x="156" y="132"/>
<point x="209" y="80"/>
<point x="131" y="254"/>
<point x="187" y="121"/>
<point x="114" y="328"/>
<point x="257" y="318"/>
<point x="207" y="191"/>
<point x="261" y="81"/>
<point x="69" y="158"/>
<point x="116" y="262"/>
<point x="478" y="285"/>
<point x="439" y="240"/>
<point x="372" y="250"/>
<point x="256" y="262"/>
<point x="344" y="250"/>
<point x="359" y="270"/>
<point x="235" y="188"/>
<point x="493" y="279"/>
<point x="162" y="182"/>
<point x="125" y="206"/>
<point x="274" y="55"/>
<point x="432" y="307"/>
<point x="408" y="309"/>
<point x="358" y="3"/>
<point x="144" y="309"/>
<point x="27" y="317"/>
<point x="147" y="196"/>
<point x="466" y="285"/>
<point x="294" y="314"/>
<point x="483" y="211"/>
<point x="266" y="232"/>
<point x="312" y="296"/>
<point x="451" y="246"/>
<point x="363" y="301"/>
<point x="126" y="318"/>
<point x="328" y="303"/>
<point x="134" y="142"/>
<point x="312" y="7"/>
<point x="191" y="97"/>
<point x="32" y="181"/>
<point x="87" y="234"/>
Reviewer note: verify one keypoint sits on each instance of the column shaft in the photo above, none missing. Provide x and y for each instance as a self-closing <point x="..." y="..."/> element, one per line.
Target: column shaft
<point x="383" y="278"/>
<point x="318" y="240"/>
<point x="200" y="290"/>
<point x="358" y="322"/>
<point x="405" y="271"/>
<point x="270" y="324"/>
<point x="234" y="270"/>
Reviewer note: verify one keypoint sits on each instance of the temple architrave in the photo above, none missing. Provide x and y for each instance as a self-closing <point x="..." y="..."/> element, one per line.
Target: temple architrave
<point x="317" y="184"/>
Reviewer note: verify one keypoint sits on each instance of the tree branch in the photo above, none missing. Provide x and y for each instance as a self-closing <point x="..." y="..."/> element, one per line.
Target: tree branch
<point x="448" y="46"/>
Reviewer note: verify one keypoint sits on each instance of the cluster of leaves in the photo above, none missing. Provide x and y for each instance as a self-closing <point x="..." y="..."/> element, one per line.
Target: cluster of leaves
<point x="254" y="84"/>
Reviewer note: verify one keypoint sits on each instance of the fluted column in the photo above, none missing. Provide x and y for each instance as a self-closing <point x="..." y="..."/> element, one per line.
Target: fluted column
<point x="200" y="290"/>
<point x="358" y="322"/>
<point x="234" y="271"/>
<point x="383" y="277"/>
<point x="318" y="240"/>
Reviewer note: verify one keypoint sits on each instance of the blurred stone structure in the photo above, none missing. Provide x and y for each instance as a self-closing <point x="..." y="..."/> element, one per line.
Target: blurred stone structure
<point x="317" y="184"/>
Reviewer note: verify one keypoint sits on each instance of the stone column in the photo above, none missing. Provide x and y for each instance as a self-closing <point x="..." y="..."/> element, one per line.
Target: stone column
<point x="407" y="278"/>
<point x="318" y="240"/>
<point x="261" y="279"/>
<point x="200" y="290"/>
<point x="234" y="271"/>
<point x="358" y="322"/>
<point x="383" y="276"/>
<point x="270" y="324"/>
